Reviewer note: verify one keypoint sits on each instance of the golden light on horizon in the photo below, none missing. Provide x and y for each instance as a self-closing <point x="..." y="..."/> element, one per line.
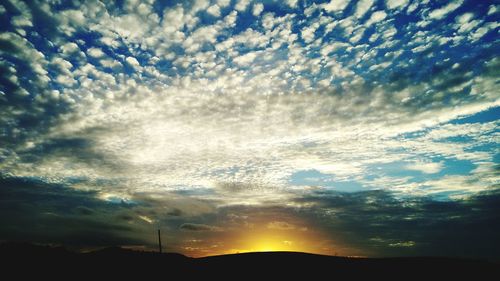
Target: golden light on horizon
<point x="264" y="233"/>
<point x="272" y="240"/>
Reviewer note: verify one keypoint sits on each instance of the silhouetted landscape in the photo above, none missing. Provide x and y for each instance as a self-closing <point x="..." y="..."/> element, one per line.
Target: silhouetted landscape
<point x="27" y="259"/>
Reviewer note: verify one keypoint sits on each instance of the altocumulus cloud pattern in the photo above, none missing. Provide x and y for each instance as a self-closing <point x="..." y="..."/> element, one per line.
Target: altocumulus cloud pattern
<point x="353" y="127"/>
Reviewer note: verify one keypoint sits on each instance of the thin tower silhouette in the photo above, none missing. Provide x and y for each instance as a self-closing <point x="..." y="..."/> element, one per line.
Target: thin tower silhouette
<point x="159" y="240"/>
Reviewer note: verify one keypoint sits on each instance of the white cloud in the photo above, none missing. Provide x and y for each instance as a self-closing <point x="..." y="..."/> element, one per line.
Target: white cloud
<point x="199" y="5"/>
<point x="257" y="9"/>
<point x="335" y="5"/>
<point x="377" y="16"/>
<point x="110" y="42"/>
<point x="425" y="167"/>
<point x="329" y="48"/>
<point x="357" y="35"/>
<point x="396" y="4"/>
<point x="311" y="9"/>
<point x="413" y="6"/>
<point x="483" y="30"/>
<point x="65" y="80"/>
<point x="28" y="53"/>
<point x="292" y="3"/>
<point x="214" y="10"/>
<point x="492" y="10"/>
<point x="95" y="52"/>
<point x="230" y="20"/>
<point x="204" y="34"/>
<point x="21" y="21"/>
<point x="223" y="3"/>
<point x="111" y="63"/>
<point x="133" y="62"/>
<point x="445" y="10"/>
<point x="250" y="38"/>
<point x="256" y="107"/>
<point x="307" y="33"/>
<point x="69" y="48"/>
<point x="454" y="183"/>
<point x="246" y="59"/>
<point x="362" y="7"/>
<point x="62" y="65"/>
<point x="466" y="23"/>
<point x="242" y="5"/>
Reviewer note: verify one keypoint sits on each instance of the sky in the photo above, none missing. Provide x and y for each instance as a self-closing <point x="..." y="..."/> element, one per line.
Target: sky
<point x="341" y="127"/>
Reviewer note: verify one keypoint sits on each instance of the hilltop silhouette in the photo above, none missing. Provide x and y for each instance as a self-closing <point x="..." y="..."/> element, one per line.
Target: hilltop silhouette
<point x="27" y="259"/>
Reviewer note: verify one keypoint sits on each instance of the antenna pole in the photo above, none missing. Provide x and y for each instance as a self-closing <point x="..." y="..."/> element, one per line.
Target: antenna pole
<point x="159" y="240"/>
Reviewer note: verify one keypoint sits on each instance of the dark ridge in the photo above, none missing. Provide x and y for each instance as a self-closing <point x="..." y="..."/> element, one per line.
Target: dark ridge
<point x="45" y="261"/>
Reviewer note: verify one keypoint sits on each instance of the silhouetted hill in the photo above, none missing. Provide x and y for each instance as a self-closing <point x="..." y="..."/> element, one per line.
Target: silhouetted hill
<point x="26" y="259"/>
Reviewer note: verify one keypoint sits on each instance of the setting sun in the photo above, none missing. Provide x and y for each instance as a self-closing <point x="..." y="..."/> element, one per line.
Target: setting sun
<point x="272" y="238"/>
<point x="272" y="245"/>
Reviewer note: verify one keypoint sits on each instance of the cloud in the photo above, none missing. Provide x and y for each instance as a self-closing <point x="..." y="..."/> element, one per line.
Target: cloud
<point x="362" y="7"/>
<point x="95" y="53"/>
<point x="376" y="17"/>
<point x="214" y="10"/>
<point x="396" y="4"/>
<point x="241" y="5"/>
<point x="402" y="230"/>
<point x="198" y="227"/>
<point x="61" y="215"/>
<point x="442" y="12"/>
<point x="425" y="167"/>
<point x="403" y="244"/>
<point x="292" y="3"/>
<point x="199" y="5"/>
<point x="335" y="5"/>
<point x="308" y="32"/>
<point x="280" y="225"/>
<point x="413" y="226"/>
<point x="133" y="62"/>
<point x="246" y="59"/>
<point x="223" y="3"/>
<point x="257" y="9"/>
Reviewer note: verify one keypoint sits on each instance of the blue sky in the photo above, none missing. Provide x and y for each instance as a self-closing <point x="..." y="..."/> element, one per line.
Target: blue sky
<point x="197" y="106"/>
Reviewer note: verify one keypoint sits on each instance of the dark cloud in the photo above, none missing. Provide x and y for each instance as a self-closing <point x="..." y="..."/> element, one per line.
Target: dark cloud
<point x="386" y="226"/>
<point x="175" y="212"/>
<point x="371" y="223"/>
<point x="198" y="227"/>
<point x="31" y="210"/>
<point x="84" y="210"/>
<point x="280" y="225"/>
<point x="235" y="186"/>
<point x="78" y="149"/>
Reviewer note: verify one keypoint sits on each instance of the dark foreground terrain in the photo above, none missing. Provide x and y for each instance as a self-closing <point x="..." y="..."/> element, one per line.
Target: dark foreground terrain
<point x="42" y="261"/>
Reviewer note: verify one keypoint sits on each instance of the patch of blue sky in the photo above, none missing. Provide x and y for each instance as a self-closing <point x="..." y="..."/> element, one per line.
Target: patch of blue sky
<point x="496" y="158"/>
<point x="393" y="169"/>
<point x="198" y="191"/>
<point x="455" y="167"/>
<point x="487" y="147"/>
<point x="120" y="200"/>
<point x="316" y="178"/>
<point x="399" y="169"/>
<point x="448" y="195"/>
<point x="489" y="115"/>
